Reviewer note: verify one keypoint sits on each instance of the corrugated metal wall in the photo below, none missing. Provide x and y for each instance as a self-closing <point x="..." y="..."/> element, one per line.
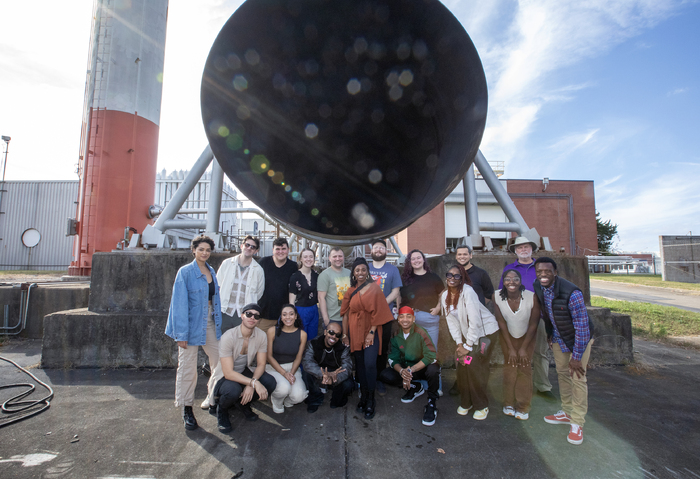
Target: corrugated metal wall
<point x="45" y="206"/>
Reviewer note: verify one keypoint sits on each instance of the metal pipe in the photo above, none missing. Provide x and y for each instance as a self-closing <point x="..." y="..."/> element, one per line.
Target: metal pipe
<point x="397" y="249"/>
<point x="471" y="205"/>
<point x="497" y="226"/>
<point x="23" y="309"/>
<point x="216" y="187"/>
<point x="183" y="224"/>
<point x="180" y="196"/>
<point x="504" y="200"/>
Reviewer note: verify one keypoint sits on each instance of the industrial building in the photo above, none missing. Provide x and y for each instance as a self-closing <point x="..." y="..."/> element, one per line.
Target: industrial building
<point x="34" y="219"/>
<point x="680" y="258"/>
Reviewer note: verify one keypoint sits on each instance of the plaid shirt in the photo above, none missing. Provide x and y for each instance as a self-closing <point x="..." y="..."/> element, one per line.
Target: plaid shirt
<point x="579" y="314"/>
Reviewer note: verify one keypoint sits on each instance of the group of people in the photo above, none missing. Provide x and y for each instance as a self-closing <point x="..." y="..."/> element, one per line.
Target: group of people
<point x="258" y="322"/>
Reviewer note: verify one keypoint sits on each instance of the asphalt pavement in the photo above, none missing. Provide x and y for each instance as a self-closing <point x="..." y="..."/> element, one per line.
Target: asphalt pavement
<point x="643" y="422"/>
<point x="646" y="294"/>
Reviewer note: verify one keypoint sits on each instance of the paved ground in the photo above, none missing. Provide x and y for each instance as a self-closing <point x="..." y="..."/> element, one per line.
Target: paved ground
<point x="646" y="294"/>
<point x="643" y="422"/>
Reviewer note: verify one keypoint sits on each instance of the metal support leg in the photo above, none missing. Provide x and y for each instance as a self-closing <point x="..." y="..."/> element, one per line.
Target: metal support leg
<point x="471" y="209"/>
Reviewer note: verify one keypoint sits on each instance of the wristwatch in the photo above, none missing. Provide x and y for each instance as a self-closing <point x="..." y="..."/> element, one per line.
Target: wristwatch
<point x="371" y="332"/>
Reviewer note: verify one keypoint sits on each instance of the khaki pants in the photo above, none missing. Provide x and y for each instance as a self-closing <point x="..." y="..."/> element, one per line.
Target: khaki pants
<point x="186" y="380"/>
<point x="573" y="390"/>
<point x="266" y="324"/>
<point x="540" y="362"/>
<point x="517" y="380"/>
<point x="284" y="391"/>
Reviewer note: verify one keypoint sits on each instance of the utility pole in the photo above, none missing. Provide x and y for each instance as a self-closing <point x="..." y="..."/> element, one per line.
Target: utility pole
<point x="6" y="139"/>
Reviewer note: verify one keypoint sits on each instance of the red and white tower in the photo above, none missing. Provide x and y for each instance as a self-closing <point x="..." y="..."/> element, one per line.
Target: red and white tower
<point x="119" y="140"/>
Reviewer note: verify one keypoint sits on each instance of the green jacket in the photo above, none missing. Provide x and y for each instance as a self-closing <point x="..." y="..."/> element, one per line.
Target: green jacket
<point x="416" y="347"/>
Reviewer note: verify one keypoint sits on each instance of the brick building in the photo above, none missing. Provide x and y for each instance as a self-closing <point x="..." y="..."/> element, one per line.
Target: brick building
<point x="563" y="211"/>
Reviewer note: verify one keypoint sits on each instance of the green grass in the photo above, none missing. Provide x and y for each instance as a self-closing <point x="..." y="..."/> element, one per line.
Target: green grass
<point x="645" y="280"/>
<point x="653" y="321"/>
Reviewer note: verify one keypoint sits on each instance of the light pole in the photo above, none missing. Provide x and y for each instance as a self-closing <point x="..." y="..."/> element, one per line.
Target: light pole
<point x="6" y="139"/>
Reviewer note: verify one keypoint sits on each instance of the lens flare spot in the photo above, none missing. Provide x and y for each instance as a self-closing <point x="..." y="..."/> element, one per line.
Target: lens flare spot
<point x="234" y="142"/>
<point x="406" y="77"/>
<point x="271" y="173"/>
<point x="314" y="212"/>
<point x="240" y="83"/>
<point x="243" y="112"/>
<point x="375" y="176"/>
<point x="361" y="214"/>
<point x="252" y="57"/>
<point x="395" y="92"/>
<point x="287" y="188"/>
<point x="311" y="130"/>
<point x="159" y="77"/>
<point x="223" y="131"/>
<point x="354" y="86"/>
<point x="259" y="164"/>
<point x="277" y="178"/>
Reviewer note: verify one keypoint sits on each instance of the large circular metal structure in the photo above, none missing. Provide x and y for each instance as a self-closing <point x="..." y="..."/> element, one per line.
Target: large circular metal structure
<point x="344" y="119"/>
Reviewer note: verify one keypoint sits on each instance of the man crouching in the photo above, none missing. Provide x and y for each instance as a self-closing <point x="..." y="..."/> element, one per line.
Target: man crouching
<point x="413" y="357"/>
<point x="327" y="365"/>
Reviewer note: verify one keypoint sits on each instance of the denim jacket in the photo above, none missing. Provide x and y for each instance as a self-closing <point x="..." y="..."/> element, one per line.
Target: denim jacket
<point x="189" y="306"/>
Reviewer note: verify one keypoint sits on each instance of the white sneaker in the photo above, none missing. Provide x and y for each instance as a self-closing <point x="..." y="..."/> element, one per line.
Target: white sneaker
<point x="509" y="411"/>
<point x="481" y="414"/>
<point x="440" y="392"/>
<point x="463" y="412"/>
<point x="205" y="404"/>
<point x="278" y="410"/>
<point x="523" y="416"/>
<point x="288" y="402"/>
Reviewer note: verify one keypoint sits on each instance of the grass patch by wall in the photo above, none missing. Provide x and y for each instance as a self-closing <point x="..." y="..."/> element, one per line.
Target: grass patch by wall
<point x="653" y="321"/>
<point x="645" y="280"/>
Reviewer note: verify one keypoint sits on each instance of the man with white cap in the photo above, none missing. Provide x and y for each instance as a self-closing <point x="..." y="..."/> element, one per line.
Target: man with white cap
<point x="525" y="265"/>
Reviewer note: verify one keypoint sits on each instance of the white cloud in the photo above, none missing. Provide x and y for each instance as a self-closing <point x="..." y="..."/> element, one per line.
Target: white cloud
<point x="542" y="37"/>
<point x="677" y="91"/>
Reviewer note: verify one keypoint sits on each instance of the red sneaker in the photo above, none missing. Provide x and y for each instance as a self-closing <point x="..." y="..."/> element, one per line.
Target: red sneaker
<point x="559" y="418"/>
<point x="575" y="434"/>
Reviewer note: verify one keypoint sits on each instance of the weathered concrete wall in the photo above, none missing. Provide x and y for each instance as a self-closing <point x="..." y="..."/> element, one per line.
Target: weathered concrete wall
<point x="612" y="334"/>
<point x="83" y="339"/>
<point x="138" y="280"/>
<point x="43" y="299"/>
<point x="679" y="258"/>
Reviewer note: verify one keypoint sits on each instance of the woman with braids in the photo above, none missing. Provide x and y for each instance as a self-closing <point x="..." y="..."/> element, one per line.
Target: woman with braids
<point x="285" y="348"/>
<point x="364" y="311"/>
<point x="471" y="326"/>
<point x="518" y="315"/>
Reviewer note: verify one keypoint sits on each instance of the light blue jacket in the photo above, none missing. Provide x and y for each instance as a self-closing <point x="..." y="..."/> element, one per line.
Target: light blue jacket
<point x="189" y="306"/>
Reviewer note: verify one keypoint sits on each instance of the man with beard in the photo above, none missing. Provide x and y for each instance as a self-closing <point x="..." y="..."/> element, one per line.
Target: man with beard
<point x="327" y="365"/>
<point x="525" y="265"/>
<point x="388" y="278"/>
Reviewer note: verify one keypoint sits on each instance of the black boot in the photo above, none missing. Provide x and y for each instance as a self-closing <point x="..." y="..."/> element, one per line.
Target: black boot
<point x="369" y="410"/>
<point x="224" y="422"/>
<point x="363" y="400"/>
<point x="188" y="418"/>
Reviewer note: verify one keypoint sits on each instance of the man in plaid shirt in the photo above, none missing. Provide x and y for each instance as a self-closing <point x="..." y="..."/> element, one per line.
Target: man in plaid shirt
<point x="569" y="331"/>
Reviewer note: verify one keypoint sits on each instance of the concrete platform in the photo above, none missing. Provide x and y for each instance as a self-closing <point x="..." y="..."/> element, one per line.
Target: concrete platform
<point x="643" y="422"/>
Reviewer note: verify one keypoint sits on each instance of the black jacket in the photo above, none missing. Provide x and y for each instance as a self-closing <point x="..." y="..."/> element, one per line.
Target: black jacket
<point x="560" y="308"/>
<point x="315" y="355"/>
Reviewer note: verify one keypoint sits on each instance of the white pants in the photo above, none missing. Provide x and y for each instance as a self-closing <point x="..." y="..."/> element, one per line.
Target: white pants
<point x="186" y="380"/>
<point x="286" y="394"/>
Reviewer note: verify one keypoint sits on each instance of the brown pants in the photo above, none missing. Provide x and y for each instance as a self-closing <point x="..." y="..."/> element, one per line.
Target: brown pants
<point x="266" y="324"/>
<point x="517" y="380"/>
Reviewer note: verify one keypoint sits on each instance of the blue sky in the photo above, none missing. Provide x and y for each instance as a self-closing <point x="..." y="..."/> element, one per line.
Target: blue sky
<point x="594" y="90"/>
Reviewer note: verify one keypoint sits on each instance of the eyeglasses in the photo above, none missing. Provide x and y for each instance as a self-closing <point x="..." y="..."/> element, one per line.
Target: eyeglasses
<point x="455" y="276"/>
<point x="333" y="333"/>
<point x="248" y="314"/>
<point x="511" y="280"/>
<point x="250" y="246"/>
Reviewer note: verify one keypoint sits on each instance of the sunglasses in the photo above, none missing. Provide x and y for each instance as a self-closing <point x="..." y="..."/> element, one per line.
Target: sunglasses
<point x="333" y="333"/>
<point x="248" y="314"/>
<point x="455" y="276"/>
<point x="250" y="246"/>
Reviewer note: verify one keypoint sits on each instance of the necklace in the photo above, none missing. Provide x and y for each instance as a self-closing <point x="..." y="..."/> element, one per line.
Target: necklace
<point x="328" y="351"/>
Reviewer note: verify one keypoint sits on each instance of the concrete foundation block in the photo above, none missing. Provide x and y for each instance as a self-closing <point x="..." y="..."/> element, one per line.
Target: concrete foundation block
<point x="83" y="339"/>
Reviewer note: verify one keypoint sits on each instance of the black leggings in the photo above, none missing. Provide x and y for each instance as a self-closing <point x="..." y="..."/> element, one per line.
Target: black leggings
<point x="366" y="365"/>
